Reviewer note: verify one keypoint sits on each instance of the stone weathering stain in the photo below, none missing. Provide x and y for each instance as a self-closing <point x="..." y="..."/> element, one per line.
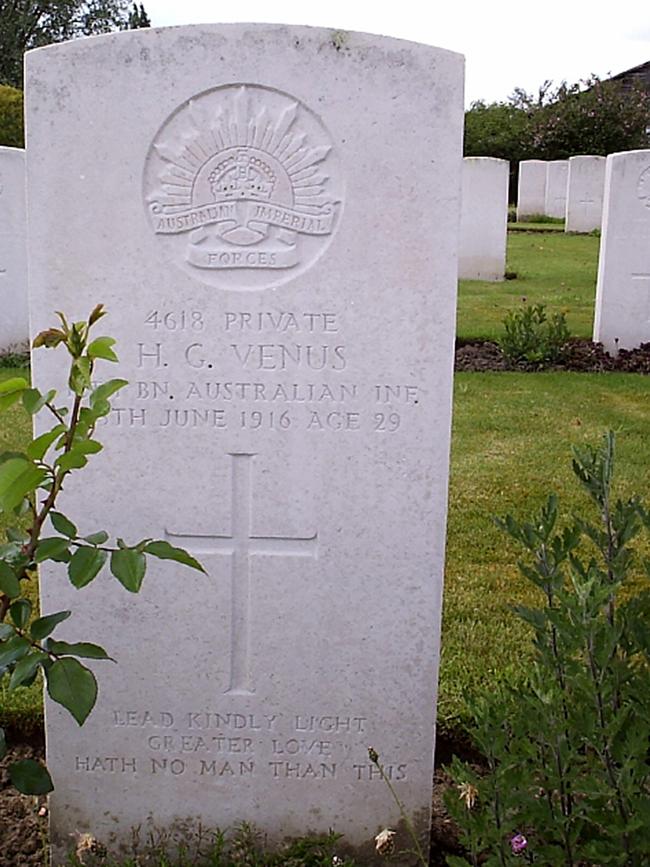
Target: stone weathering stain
<point x="279" y="262"/>
<point x="245" y="180"/>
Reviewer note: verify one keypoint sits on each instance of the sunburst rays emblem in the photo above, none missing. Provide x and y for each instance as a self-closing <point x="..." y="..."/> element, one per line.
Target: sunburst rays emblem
<point x="243" y="186"/>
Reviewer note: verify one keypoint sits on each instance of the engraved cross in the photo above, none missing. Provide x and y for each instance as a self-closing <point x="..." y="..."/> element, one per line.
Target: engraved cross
<point x="240" y="545"/>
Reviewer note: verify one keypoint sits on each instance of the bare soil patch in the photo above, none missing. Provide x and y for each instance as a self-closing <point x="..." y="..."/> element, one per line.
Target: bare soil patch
<point x="579" y="355"/>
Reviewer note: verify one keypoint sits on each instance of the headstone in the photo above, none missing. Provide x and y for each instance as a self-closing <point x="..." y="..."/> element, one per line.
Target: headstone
<point x="271" y="217"/>
<point x="557" y="172"/>
<point x="531" y="191"/>
<point x="483" y="219"/>
<point x="622" y="319"/>
<point x="585" y="185"/>
<point x="14" y="326"/>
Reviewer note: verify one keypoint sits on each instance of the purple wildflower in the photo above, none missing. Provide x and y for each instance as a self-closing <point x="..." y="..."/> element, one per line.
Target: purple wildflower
<point x="518" y="844"/>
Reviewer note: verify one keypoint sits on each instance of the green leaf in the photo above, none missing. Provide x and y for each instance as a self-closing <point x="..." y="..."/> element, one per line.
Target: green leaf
<point x="20" y="611"/>
<point x="34" y="401"/>
<point x="42" y="627"/>
<point x="18" y="477"/>
<point x="15" y="534"/>
<point x="26" y="668"/>
<point x="85" y="564"/>
<point x="37" y="448"/>
<point x="71" y="684"/>
<point x="50" y="338"/>
<point x="79" y="379"/>
<point x="3" y="744"/>
<point x="88" y="447"/>
<point x="11" y="391"/>
<point x="106" y="390"/>
<point x="72" y="460"/>
<point x="164" y="551"/>
<point x="9" y="582"/>
<point x="6" y="630"/>
<point x="51" y="547"/>
<point x="63" y="525"/>
<point x="129" y="567"/>
<point x="101" y="348"/>
<point x="97" y="538"/>
<point x="12" y="650"/>
<point x="79" y="648"/>
<point x="16" y="383"/>
<point x="30" y="777"/>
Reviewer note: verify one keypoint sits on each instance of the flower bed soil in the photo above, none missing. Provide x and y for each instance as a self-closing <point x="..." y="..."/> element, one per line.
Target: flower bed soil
<point x="579" y="355"/>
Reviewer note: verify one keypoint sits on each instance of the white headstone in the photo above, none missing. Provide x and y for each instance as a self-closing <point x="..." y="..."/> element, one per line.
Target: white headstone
<point x="585" y="185"/>
<point x="483" y="219"/>
<point x="14" y="326"/>
<point x="531" y="190"/>
<point x="270" y="214"/>
<point x="622" y="319"/>
<point x="557" y="172"/>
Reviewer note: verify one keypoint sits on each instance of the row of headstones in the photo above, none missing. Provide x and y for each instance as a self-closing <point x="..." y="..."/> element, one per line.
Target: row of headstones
<point x="576" y="186"/>
<point x="571" y="190"/>
<point x="618" y="186"/>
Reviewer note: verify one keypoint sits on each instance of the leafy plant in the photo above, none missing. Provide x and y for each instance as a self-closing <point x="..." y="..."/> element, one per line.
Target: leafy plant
<point x="568" y="777"/>
<point x="531" y="337"/>
<point x="30" y="484"/>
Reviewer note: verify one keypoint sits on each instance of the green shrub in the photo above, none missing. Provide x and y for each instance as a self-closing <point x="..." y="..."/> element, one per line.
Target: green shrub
<point x="531" y="337"/>
<point x="568" y="779"/>
<point x="12" y="132"/>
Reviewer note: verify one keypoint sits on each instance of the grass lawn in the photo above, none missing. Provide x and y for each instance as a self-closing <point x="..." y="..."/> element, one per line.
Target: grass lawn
<point x="552" y="268"/>
<point x="511" y="443"/>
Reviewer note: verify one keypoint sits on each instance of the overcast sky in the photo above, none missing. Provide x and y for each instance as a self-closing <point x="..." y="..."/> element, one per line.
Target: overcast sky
<point x="514" y="43"/>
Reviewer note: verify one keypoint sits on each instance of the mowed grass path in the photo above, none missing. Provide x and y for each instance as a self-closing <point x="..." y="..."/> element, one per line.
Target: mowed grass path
<point x="554" y="269"/>
<point x="512" y="436"/>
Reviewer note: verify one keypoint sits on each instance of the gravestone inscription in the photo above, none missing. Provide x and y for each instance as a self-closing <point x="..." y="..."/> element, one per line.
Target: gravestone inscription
<point x="14" y="328"/>
<point x="279" y="261"/>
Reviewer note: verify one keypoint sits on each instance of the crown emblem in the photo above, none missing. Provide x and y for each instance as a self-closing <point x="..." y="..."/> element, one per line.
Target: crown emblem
<point x="243" y="176"/>
<point x="239" y="178"/>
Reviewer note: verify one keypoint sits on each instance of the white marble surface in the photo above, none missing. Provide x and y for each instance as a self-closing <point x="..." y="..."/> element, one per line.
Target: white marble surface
<point x="622" y="318"/>
<point x="531" y="190"/>
<point x="483" y="219"/>
<point x="270" y="214"/>
<point x="557" y="172"/>
<point x="585" y="187"/>
<point x="14" y="326"/>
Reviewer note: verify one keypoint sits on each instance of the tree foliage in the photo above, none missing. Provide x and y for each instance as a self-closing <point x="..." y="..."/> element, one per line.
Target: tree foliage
<point x="498" y="129"/>
<point x="11" y="117"/>
<point x="26" y="24"/>
<point x="592" y="116"/>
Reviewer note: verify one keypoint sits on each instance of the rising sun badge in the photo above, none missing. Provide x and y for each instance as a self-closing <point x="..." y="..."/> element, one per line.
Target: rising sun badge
<point x="242" y="186"/>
